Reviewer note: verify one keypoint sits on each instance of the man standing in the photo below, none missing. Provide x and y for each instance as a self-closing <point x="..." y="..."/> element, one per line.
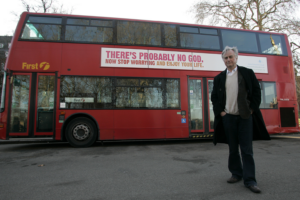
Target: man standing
<point x="236" y="97"/>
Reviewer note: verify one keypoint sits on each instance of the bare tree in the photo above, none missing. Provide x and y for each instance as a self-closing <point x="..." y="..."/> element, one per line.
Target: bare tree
<point x="264" y="15"/>
<point x="45" y="6"/>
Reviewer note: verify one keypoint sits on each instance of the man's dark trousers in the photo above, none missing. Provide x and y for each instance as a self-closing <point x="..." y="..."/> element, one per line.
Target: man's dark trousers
<point x="239" y="133"/>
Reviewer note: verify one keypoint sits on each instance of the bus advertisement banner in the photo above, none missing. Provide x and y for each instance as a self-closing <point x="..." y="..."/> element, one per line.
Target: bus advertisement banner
<point x="140" y="58"/>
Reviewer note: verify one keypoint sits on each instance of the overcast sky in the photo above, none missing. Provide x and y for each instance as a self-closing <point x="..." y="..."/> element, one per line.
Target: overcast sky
<point x="156" y="10"/>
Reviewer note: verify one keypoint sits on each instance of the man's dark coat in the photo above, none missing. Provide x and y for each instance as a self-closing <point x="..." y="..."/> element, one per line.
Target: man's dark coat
<point x="218" y="98"/>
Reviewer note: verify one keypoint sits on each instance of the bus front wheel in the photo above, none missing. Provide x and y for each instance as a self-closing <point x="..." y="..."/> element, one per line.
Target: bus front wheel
<point x="81" y="132"/>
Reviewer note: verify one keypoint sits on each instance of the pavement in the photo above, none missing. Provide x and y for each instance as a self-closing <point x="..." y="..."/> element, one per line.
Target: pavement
<point x="50" y="139"/>
<point x="147" y="170"/>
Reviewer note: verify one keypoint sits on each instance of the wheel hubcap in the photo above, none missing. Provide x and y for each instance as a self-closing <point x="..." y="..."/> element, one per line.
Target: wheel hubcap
<point x="81" y="132"/>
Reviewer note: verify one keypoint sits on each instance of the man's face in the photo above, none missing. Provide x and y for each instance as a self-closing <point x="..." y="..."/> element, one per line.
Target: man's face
<point x="230" y="60"/>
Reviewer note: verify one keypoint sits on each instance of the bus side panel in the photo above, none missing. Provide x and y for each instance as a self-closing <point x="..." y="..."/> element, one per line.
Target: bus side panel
<point x="104" y="119"/>
<point x="273" y="121"/>
<point x="153" y="73"/>
<point x="177" y="133"/>
<point x="125" y="119"/>
<point x="106" y="134"/>
<point x="175" y="126"/>
<point x="141" y="133"/>
<point x="279" y="69"/>
<point x="83" y="59"/>
<point x="271" y="118"/>
<point x="146" y="124"/>
<point x="29" y="57"/>
<point x="286" y="92"/>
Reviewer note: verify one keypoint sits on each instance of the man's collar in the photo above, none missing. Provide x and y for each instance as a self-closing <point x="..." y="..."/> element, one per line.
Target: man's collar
<point x="227" y="71"/>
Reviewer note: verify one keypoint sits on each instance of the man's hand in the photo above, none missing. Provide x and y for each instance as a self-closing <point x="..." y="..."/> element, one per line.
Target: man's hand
<point x="223" y="114"/>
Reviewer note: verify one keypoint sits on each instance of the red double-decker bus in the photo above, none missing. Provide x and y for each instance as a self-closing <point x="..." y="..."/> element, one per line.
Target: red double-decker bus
<point x="83" y="79"/>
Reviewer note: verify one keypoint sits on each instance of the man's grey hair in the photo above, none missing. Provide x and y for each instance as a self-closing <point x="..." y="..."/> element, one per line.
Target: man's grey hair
<point x="227" y="48"/>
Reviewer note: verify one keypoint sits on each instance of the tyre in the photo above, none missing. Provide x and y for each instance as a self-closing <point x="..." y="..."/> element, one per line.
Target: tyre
<point x="81" y="132"/>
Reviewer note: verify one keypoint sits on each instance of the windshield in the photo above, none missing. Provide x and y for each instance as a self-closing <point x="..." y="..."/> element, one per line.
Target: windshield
<point x="2" y="86"/>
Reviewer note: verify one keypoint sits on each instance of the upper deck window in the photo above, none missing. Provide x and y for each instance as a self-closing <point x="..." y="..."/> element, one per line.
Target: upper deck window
<point x="78" y="21"/>
<point x="85" y="30"/>
<point x="138" y="33"/>
<point x="271" y="44"/>
<point x="42" y="28"/>
<point x="189" y="29"/>
<point x="89" y="34"/>
<point x="207" y="39"/>
<point x="170" y="35"/>
<point x="209" y="31"/>
<point x="119" y="32"/>
<point x="101" y="23"/>
<point x="44" y="20"/>
<point x="244" y="41"/>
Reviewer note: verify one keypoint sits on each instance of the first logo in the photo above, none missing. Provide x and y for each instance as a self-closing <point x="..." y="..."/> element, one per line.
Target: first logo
<point x="45" y="65"/>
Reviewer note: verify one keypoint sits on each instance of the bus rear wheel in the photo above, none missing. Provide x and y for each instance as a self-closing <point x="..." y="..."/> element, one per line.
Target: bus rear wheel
<point x="81" y="132"/>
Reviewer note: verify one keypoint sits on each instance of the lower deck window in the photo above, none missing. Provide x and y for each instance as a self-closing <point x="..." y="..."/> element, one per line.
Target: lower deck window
<point x="79" y="92"/>
<point x="268" y="95"/>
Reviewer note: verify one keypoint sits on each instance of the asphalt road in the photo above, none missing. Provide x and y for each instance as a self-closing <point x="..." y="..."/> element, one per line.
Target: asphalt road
<point x="145" y="170"/>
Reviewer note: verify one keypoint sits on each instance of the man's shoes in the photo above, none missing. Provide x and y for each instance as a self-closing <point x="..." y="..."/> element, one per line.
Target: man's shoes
<point x="254" y="189"/>
<point x="233" y="180"/>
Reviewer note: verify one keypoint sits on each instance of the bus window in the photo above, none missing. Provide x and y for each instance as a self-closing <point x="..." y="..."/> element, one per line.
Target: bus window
<point x="89" y="34"/>
<point x="130" y="97"/>
<point x="271" y="44"/>
<point x="189" y="29"/>
<point x="45" y="103"/>
<point x="44" y="20"/>
<point x="86" y="92"/>
<point x="138" y="33"/>
<point x="173" y="93"/>
<point x="196" y="105"/>
<point x="199" y="41"/>
<point x="78" y="21"/>
<point x="127" y="82"/>
<point x="42" y="28"/>
<point x="209" y="31"/>
<point x="211" y="112"/>
<point x="84" y="32"/>
<point x="101" y="23"/>
<point x="170" y="36"/>
<point x="20" y="100"/>
<point x="244" y="41"/>
<point x="3" y="85"/>
<point x="104" y="93"/>
<point x="148" y="93"/>
<point x="151" y="82"/>
<point x="268" y="97"/>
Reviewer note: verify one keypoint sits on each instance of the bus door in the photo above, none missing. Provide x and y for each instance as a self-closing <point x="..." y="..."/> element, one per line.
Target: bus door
<point x="31" y="107"/>
<point x="201" y="116"/>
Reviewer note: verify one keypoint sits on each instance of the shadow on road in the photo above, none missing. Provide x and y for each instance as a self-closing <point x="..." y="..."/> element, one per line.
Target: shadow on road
<point x="23" y="146"/>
